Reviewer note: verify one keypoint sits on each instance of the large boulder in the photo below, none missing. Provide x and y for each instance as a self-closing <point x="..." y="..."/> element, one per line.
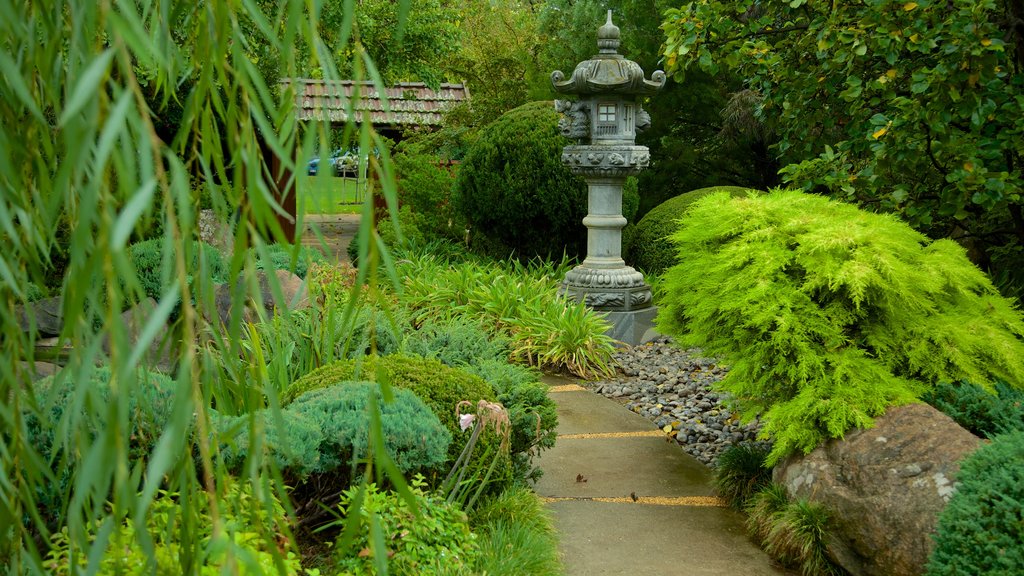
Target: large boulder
<point x="884" y="486"/>
<point x="48" y="314"/>
<point x="293" y="296"/>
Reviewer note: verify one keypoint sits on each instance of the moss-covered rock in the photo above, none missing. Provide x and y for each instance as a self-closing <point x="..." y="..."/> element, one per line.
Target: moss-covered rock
<point x="646" y="246"/>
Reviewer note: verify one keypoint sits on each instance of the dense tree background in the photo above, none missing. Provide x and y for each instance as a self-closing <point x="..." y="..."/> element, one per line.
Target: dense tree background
<point x="915" y="107"/>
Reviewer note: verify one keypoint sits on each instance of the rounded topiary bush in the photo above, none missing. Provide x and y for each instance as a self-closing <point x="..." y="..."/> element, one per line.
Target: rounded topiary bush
<point x="155" y="269"/>
<point x="279" y="257"/>
<point x="325" y="428"/>
<point x="981" y="530"/>
<point x="828" y="315"/>
<point x="513" y="190"/>
<point x="646" y="246"/>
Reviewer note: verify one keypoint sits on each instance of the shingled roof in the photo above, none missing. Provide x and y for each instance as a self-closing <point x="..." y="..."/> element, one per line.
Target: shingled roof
<point x="408" y="103"/>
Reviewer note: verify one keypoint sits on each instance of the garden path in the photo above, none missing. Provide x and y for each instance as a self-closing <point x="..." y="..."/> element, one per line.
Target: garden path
<point x="337" y="230"/>
<point x="627" y="501"/>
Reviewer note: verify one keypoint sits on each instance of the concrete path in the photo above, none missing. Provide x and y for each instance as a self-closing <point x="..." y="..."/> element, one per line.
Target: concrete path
<point x="626" y="501"/>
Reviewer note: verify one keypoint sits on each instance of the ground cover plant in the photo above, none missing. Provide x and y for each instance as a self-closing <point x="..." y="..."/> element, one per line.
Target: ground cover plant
<point x="827" y="315"/>
<point x="296" y="259"/>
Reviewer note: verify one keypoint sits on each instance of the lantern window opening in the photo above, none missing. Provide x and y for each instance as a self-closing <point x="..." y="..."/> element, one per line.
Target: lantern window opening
<point x="606" y="113"/>
<point x="627" y="118"/>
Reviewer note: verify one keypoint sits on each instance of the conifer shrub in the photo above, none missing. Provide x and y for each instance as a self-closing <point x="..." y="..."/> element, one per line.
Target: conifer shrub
<point x="647" y="247"/>
<point x="154" y="267"/>
<point x="326" y="428"/>
<point x="981" y="529"/>
<point x="513" y="184"/>
<point x="279" y="257"/>
<point x="984" y="413"/>
<point x="456" y="342"/>
<point x="828" y="315"/>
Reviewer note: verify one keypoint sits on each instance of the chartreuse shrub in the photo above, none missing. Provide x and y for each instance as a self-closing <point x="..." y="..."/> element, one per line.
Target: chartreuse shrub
<point x="516" y="535"/>
<point x="828" y="314"/>
<point x="326" y="430"/>
<point x="296" y="259"/>
<point x="519" y="302"/>
<point x="434" y="539"/>
<point x="513" y="184"/>
<point x="154" y="264"/>
<point x="981" y="529"/>
<point x="647" y="247"/>
<point x="981" y="412"/>
<point x="242" y="546"/>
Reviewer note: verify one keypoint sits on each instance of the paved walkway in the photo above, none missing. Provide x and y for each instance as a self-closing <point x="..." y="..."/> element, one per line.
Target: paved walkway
<point x="337" y="230"/>
<point x="628" y="502"/>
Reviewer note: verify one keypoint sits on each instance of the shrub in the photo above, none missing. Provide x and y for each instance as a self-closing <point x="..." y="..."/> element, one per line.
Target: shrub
<point x="244" y="546"/>
<point x="980" y="531"/>
<point x="516" y="536"/>
<point x="436" y="541"/>
<point x="981" y="412"/>
<point x="828" y="315"/>
<point x="647" y="247"/>
<point x="408" y="221"/>
<point x="279" y="257"/>
<point x="154" y="267"/>
<point x="512" y="184"/>
<point x="427" y="185"/>
<point x="456" y="342"/>
<point x="741" y="473"/>
<point x="33" y="292"/>
<point x="327" y="429"/>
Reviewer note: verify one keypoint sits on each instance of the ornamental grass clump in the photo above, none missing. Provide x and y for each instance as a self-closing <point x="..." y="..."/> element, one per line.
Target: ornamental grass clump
<point x="828" y="314"/>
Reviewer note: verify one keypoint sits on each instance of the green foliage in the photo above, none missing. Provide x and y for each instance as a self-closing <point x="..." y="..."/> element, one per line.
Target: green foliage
<point x="426" y="185"/>
<point x="33" y="292"/>
<point x="457" y="343"/>
<point x="239" y="547"/>
<point x="326" y="431"/>
<point x="439" y="386"/>
<point x="516" y="535"/>
<point x="516" y="301"/>
<point x="913" y="107"/>
<point x="408" y="221"/>
<point x="154" y="265"/>
<point x="980" y="530"/>
<point x="648" y="248"/>
<point x="984" y="413"/>
<point x="280" y="257"/>
<point x="432" y="539"/>
<point x="792" y="533"/>
<point x="827" y="315"/>
<point x="512" y="184"/>
<point x="741" y="473"/>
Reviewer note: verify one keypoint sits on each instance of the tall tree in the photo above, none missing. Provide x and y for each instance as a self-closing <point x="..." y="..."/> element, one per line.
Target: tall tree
<point x="914" y="106"/>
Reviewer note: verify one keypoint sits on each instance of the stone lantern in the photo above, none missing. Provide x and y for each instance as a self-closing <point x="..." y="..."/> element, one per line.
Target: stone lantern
<point x="608" y="114"/>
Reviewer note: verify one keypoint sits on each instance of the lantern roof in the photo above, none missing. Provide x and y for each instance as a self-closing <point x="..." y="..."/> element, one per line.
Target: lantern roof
<point x="607" y="72"/>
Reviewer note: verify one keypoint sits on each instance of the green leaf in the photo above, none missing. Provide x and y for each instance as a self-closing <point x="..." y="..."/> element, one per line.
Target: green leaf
<point x="88" y="85"/>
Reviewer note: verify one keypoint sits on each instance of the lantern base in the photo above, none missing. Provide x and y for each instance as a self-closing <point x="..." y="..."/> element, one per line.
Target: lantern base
<point x="633" y="327"/>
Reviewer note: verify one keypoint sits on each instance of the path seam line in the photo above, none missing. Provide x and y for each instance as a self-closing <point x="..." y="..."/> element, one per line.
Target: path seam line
<point x="684" y="501"/>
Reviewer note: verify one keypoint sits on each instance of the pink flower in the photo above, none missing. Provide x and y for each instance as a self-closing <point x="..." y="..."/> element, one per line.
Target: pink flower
<point x="466" y="421"/>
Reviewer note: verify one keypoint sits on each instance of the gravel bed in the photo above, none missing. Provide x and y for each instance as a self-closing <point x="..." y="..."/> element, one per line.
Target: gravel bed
<point x="672" y="387"/>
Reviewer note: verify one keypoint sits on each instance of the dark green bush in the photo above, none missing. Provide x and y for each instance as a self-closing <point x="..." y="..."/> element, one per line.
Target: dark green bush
<point x="435" y="541"/>
<point x="426" y="184"/>
<point x="981" y="529"/>
<point x="154" y="268"/>
<point x="741" y="473"/>
<point x="981" y="412"/>
<point x="647" y="247"/>
<point x="150" y="400"/>
<point x="512" y="185"/>
<point x="326" y="428"/>
<point x="33" y="292"/>
<point x="279" y="257"/>
<point x="827" y="314"/>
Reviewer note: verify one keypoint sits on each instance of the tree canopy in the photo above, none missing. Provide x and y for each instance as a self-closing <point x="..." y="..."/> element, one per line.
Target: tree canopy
<point x="911" y="106"/>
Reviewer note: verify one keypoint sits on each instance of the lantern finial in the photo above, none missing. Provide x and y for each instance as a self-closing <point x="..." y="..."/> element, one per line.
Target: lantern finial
<point x="608" y="37"/>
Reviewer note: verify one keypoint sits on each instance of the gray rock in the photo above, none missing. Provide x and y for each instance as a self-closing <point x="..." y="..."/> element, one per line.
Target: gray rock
<point x="48" y="314"/>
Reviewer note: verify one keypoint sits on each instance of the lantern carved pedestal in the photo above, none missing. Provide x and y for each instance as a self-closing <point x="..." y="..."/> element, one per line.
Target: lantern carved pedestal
<point x="609" y="114"/>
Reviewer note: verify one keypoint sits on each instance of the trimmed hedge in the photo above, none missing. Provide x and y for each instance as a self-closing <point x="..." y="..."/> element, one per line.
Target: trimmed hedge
<point x="981" y="530"/>
<point x="647" y="247"/>
<point x="325" y="428"/>
<point x="512" y="186"/>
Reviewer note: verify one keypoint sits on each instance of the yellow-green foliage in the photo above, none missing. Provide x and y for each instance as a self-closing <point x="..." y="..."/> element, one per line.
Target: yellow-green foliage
<point x="440" y="387"/>
<point x="172" y="525"/>
<point x="828" y="314"/>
